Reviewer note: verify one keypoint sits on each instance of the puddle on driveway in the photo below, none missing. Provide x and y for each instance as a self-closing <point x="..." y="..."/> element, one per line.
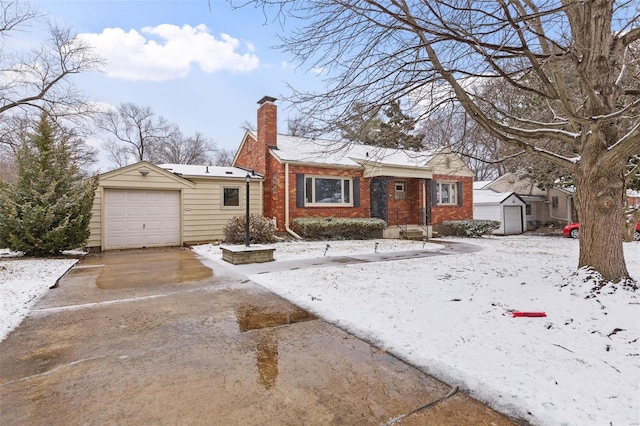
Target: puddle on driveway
<point x="267" y="361"/>
<point x="251" y="317"/>
<point x="254" y="317"/>
<point x="122" y="270"/>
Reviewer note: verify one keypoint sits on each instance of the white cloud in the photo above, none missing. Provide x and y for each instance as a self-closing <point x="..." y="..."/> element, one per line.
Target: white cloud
<point x="167" y="52"/>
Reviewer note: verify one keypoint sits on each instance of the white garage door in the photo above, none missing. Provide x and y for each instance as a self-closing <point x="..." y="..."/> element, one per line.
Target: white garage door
<point x="512" y="220"/>
<point x="135" y="218"/>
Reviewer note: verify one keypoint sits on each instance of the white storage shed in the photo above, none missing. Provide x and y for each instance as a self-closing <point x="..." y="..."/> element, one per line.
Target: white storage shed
<point x="506" y="207"/>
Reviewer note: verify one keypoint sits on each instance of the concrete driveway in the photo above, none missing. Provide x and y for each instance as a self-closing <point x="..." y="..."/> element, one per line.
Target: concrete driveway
<point x="163" y="337"/>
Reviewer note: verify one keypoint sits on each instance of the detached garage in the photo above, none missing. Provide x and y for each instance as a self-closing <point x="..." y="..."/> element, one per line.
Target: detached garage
<point x="505" y="207"/>
<point x="143" y="205"/>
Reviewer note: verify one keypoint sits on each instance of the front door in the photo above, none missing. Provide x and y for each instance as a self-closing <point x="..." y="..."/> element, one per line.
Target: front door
<point x="378" y="193"/>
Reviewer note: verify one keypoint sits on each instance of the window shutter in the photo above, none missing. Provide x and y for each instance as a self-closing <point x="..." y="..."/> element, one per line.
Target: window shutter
<point x="459" y="194"/>
<point x="299" y="190"/>
<point x="356" y="192"/>
<point x="434" y="192"/>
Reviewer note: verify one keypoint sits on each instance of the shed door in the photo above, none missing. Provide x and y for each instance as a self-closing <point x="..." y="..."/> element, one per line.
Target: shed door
<point x="137" y="218"/>
<point x="512" y="220"/>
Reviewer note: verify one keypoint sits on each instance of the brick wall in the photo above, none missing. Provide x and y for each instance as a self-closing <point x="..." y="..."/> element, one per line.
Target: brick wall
<point x="274" y="191"/>
<point x="268" y="122"/>
<point x="274" y="201"/>
<point x="441" y="213"/>
<point x="252" y="156"/>
<point x="401" y="212"/>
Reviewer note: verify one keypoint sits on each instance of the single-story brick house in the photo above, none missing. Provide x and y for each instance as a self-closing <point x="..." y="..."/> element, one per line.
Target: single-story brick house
<point x="308" y="177"/>
<point x="143" y="205"/>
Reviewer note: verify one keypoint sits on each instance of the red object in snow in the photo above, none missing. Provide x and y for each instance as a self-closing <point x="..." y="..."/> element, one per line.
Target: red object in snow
<point x="528" y="314"/>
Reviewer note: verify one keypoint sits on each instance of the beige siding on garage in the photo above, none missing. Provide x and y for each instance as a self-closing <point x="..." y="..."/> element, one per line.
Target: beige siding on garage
<point x="128" y="177"/>
<point x="204" y="217"/>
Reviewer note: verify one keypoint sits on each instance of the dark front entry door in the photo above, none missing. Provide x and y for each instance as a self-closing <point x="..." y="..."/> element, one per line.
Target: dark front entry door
<point x="379" y="203"/>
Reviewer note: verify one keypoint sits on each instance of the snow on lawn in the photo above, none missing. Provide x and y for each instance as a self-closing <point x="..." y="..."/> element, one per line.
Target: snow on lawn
<point x="291" y="250"/>
<point x="22" y="283"/>
<point x="452" y="317"/>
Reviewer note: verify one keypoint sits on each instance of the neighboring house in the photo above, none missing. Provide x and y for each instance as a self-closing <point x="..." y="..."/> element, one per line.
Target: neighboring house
<point x="307" y="177"/>
<point x="143" y="205"/>
<point x="543" y="206"/>
<point x="633" y="198"/>
<point x="505" y="207"/>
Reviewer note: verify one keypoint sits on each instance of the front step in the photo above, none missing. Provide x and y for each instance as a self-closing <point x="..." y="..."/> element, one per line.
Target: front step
<point x="413" y="234"/>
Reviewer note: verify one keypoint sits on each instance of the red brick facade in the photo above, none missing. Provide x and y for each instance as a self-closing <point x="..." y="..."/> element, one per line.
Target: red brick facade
<point x="401" y="210"/>
<point x="408" y="210"/>
<point x="441" y="213"/>
<point x="362" y="211"/>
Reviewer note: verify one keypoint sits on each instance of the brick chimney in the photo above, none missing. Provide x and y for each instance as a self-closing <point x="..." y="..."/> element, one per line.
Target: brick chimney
<point x="268" y="122"/>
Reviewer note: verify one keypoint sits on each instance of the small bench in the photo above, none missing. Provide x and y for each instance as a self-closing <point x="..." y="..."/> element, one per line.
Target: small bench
<point x="240" y="255"/>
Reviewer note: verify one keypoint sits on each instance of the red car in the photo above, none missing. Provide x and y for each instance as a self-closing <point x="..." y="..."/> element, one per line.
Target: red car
<point x="573" y="230"/>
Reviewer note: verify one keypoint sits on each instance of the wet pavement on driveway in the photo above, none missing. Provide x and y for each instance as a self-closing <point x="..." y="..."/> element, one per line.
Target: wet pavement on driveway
<point x="160" y="337"/>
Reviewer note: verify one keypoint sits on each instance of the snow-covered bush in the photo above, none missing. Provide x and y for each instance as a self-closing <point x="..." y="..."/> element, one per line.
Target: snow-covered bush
<point x="330" y="228"/>
<point x="49" y="208"/>
<point x="261" y="230"/>
<point x="470" y="228"/>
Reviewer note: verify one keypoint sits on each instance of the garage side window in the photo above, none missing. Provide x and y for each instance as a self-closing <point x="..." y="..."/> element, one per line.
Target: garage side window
<point x="230" y="197"/>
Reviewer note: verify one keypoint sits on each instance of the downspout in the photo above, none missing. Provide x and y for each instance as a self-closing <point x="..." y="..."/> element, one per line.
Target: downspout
<point x="286" y="203"/>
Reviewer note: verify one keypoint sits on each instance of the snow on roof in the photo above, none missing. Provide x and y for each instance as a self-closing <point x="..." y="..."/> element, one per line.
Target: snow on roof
<point x="488" y="196"/>
<point x="323" y="151"/>
<point x="481" y="184"/>
<point x="206" y="171"/>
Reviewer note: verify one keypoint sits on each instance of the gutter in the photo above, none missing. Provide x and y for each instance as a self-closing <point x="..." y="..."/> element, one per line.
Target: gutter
<point x="286" y="203"/>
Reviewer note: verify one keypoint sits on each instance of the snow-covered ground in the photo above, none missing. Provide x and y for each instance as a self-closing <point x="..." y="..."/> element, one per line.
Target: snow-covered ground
<point x="22" y="283"/>
<point x="452" y="317"/>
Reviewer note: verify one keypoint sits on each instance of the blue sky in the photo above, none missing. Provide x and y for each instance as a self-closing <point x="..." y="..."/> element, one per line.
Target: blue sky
<point x="201" y="65"/>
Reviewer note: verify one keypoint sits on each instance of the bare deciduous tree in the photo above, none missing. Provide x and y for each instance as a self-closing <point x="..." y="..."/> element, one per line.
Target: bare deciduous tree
<point x="180" y="149"/>
<point x="223" y="157"/>
<point x="135" y="132"/>
<point x="39" y="80"/>
<point x="570" y="57"/>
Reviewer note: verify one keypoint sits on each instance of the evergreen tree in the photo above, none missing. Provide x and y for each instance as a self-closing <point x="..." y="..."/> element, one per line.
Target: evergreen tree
<point x="390" y="128"/>
<point x="49" y="208"/>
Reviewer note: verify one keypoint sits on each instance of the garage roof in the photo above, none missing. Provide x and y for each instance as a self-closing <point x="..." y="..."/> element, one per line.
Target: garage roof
<point x="187" y="170"/>
<point x="488" y="196"/>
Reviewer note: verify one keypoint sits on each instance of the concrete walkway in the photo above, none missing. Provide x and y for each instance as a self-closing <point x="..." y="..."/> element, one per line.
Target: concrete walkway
<point x="448" y="248"/>
<point x="157" y="337"/>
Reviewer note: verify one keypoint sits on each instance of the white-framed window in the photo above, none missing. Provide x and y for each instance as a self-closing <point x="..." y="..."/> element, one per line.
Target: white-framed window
<point x="400" y="189"/>
<point x="447" y="193"/>
<point x="323" y="190"/>
<point x="231" y="196"/>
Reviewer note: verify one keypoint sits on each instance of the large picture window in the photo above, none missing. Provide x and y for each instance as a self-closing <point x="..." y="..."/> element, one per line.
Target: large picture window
<point x="322" y="190"/>
<point x="447" y="193"/>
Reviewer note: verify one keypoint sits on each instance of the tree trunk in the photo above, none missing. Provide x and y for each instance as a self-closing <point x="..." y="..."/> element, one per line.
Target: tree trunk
<point x="600" y="195"/>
